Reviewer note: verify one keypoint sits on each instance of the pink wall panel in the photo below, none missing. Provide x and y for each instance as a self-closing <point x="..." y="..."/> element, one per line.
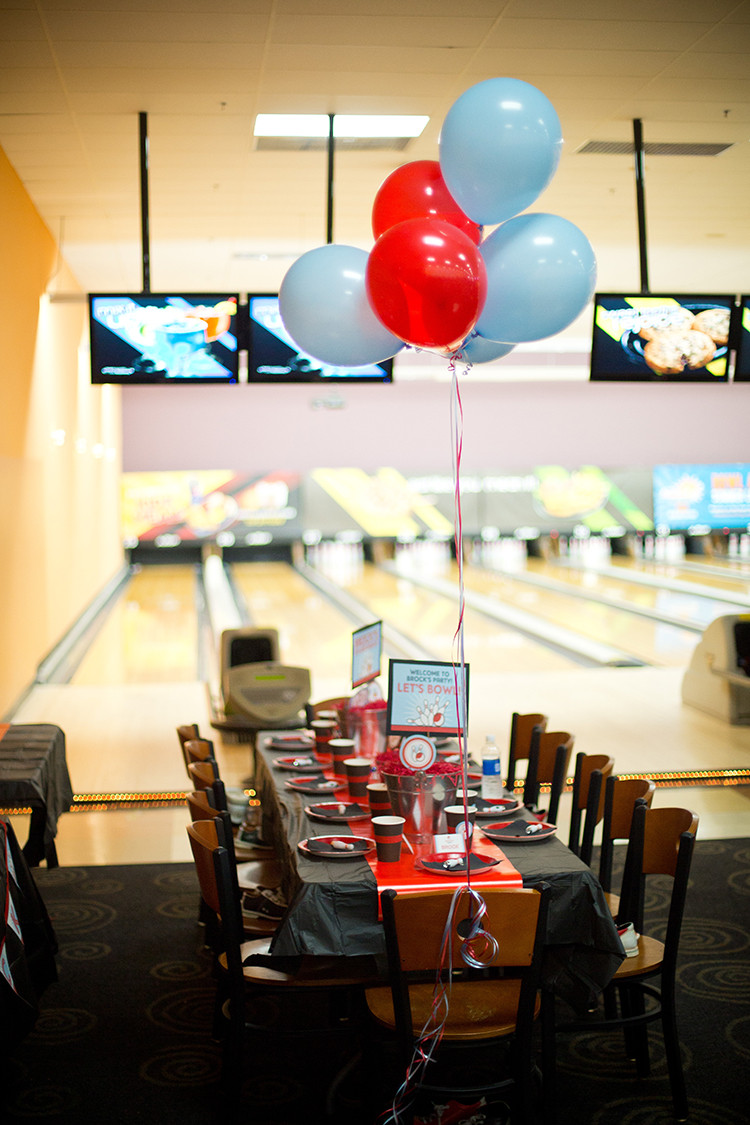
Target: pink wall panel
<point x="506" y="425"/>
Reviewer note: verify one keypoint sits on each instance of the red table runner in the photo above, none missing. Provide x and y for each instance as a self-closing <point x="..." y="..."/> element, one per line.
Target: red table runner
<point x="405" y="876"/>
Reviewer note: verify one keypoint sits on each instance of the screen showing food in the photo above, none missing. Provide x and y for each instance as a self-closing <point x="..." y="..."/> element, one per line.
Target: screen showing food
<point x="742" y="368"/>
<point x="163" y="338"/>
<point x="670" y="339"/>
<point x="273" y="356"/>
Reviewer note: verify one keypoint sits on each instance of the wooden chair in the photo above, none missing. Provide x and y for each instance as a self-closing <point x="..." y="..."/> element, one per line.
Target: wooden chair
<point x="549" y="758"/>
<point x="261" y="872"/>
<point x="244" y="968"/>
<point x="203" y="774"/>
<point x="187" y="731"/>
<point x="490" y="1007"/>
<point x="340" y="704"/>
<point x="587" y="808"/>
<point x="661" y="843"/>
<point x="198" y="750"/>
<point x="620" y="797"/>
<point x="521" y="731"/>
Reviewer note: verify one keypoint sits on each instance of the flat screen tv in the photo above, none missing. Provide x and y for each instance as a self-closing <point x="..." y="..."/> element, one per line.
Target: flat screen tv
<point x="714" y="496"/>
<point x="163" y="337"/>
<point x="742" y="367"/>
<point x="273" y="357"/>
<point x="661" y="338"/>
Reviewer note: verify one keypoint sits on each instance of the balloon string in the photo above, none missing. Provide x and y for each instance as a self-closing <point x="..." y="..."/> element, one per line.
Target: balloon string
<point x="459" y="663"/>
<point x="478" y="950"/>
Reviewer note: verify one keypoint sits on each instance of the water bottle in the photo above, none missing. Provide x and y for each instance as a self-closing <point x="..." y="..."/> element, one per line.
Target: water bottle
<point x="492" y="782"/>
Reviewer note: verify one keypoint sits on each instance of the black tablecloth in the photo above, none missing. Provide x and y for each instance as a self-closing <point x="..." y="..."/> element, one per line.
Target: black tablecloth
<point x="27" y="940"/>
<point x="34" y="771"/>
<point x="334" y="906"/>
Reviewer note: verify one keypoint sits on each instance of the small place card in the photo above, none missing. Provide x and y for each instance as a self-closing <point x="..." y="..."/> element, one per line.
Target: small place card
<point x="450" y="843"/>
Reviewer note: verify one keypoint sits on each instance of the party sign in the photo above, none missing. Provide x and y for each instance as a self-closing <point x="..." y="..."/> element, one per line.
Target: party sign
<point x="427" y="697"/>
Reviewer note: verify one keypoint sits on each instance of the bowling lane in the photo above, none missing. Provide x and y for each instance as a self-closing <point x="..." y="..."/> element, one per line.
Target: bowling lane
<point x="432" y="619"/>
<point x="727" y="575"/>
<point x="678" y="601"/>
<point x="651" y="641"/>
<point x="312" y="633"/>
<point x="315" y="635"/>
<point x="150" y="634"/>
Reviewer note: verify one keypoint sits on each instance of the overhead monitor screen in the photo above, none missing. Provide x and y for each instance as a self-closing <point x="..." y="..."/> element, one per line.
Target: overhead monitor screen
<point x="661" y="338"/>
<point x="164" y="338"/>
<point x="273" y="357"/>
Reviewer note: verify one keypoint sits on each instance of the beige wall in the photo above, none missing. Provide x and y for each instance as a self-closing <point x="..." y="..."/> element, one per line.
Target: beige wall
<point x="59" y="449"/>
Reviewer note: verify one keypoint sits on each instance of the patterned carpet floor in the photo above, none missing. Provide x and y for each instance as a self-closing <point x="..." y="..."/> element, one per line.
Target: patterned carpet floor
<point x="123" y="1036"/>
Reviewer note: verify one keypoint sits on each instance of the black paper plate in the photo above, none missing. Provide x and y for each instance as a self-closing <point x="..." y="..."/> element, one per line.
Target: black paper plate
<point x="517" y="832"/>
<point x="323" y="847"/>
<point x="302" y="763"/>
<point x="436" y="863"/>
<point x="315" y="784"/>
<point x="504" y="806"/>
<point x="331" y="811"/>
<point x="292" y="743"/>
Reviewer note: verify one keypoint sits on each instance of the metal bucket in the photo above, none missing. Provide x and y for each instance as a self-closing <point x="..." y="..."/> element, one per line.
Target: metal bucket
<point x="421" y="798"/>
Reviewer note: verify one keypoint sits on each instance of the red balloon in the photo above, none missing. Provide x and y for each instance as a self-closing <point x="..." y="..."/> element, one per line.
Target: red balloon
<point x="427" y="283"/>
<point x="417" y="191"/>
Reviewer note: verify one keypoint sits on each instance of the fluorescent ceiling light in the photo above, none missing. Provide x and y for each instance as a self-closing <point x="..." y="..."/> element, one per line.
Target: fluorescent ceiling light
<point x="344" y="125"/>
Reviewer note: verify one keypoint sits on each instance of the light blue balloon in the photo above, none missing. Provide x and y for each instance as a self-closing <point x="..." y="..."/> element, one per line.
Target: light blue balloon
<point x="476" y="349"/>
<point x="541" y="274"/>
<point x="325" y="308"/>
<point x="499" y="148"/>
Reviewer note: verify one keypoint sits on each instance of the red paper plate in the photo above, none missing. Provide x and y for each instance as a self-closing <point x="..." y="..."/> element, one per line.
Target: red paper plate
<point x="314" y="784"/>
<point x="332" y="811"/>
<point x="324" y="847"/>
<point x="517" y="831"/>
<point x="453" y="864"/>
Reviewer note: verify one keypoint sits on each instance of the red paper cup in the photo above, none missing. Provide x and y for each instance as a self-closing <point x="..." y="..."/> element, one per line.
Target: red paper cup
<point x="380" y="802"/>
<point x="357" y="775"/>
<point x="340" y="749"/>
<point x="389" y="834"/>
<point x="455" y="816"/>
<point x="324" y="730"/>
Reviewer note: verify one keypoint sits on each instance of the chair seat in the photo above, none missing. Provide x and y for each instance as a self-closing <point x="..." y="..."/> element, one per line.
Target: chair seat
<point x="473" y="1013"/>
<point x="613" y="902"/>
<point x="649" y="960"/>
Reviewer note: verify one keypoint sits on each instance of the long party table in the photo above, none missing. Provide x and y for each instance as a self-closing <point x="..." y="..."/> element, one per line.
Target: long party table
<point x="34" y="773"/>
<point x="27" y="943"/>
<point x="333" y="907"/>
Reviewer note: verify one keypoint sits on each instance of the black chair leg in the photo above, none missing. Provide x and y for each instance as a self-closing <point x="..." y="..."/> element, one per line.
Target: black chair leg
<point x="674" y="1060"/>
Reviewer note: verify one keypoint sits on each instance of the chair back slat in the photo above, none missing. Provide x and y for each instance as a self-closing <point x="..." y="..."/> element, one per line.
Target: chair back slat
<point x="199" y="805"/>
<point x="549" y="758"/>
<point x="626" y="791"/>
<point x="522" y="729"/>
<point x="203" y="774"/>
<point x="420" y="920"/>
<point x="621" y="794"/>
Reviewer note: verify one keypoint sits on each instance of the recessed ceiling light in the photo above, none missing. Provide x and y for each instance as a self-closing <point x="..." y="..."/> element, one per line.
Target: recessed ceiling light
<point x="344" y="125"/>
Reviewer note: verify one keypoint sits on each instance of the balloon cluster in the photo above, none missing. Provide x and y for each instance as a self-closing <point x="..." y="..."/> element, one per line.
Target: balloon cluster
<point x="431" y="280"/>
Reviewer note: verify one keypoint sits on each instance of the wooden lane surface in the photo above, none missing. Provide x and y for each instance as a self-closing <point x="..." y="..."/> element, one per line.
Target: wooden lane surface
<point x="432" y="619"/>
<point x="651" y="641"/>
<point x="696" y="569"/>
<point x="312" y="633"/>
<point x="150" y="634"/>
